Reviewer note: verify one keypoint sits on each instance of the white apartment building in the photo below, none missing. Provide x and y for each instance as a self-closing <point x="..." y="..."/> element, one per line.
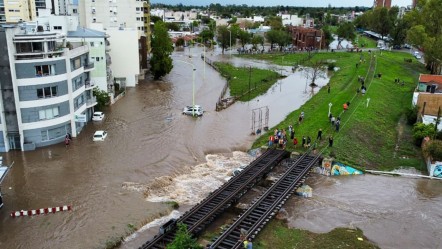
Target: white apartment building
<point x="44" y="87"/>
<point x="112" y="13"/>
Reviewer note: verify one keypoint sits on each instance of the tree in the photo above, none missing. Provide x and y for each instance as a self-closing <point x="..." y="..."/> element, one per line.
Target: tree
<point x="102" y="98"/>
<point x="315" y="70"/>
<point x="223" y="37"/>
<point x="155" y="19"/>
<point x="421" y="130"/>
<point x="161" y="63"/>
<point x="257" y="39"/>
<point x="244" y="37"/>
<point x="183" y="239"/>
<point x="172" y="26"/>
<point x="426" y="32"/>
<point x="272" y="37"/>
<point x="206" y="35"/>
<point x="398" y="33"/>
<point x="179" y="42"/>
<point x="327" y="35"/>
<point x="347" y="31"/>
<point x="275" y="22"/>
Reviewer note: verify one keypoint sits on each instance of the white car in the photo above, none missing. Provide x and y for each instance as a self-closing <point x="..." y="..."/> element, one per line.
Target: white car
<point x="100" y="135"/>
<point x="418" y="56"/>
<point x="98" y="116"/>
<point x="195" y="110"/>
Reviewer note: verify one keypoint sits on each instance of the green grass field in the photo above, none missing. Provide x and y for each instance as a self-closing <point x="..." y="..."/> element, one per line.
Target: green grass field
<point x="247" y="82"/>
<point x="370" y="136"/>
<point x="276" y="235"/>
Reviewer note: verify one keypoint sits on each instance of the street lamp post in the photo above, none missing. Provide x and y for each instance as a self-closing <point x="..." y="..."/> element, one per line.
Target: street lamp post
<point x="329" y="108"/>
<point x="230" y="33"/>
<point x="193" y="84"/>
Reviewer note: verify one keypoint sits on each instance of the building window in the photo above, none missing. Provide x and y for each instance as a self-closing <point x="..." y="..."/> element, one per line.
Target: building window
<point x="57" y="27"/>
<point x="77" y="83"/>
<point x="97" y="59"/>
<point x="44" y="70"/>
<point x="47" y="92"/>
<point x="138" y="8"/>
<point x="79" y="102"/>
<point x="48" y="113"/>
<point x="138" y="18"/>
<point x="94" y="19"/>
<point x="74" y="11"/>
<point x="51" y="134"/>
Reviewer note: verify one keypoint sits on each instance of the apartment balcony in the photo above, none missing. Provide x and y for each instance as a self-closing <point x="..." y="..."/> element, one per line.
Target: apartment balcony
<point x="107" y="49"/>
<point x="89" y="84"/>
<point x="91" y="102"/>
<point x="89" y="67"/>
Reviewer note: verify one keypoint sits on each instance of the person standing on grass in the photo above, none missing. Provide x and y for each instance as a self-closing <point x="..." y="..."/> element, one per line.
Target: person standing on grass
<point x="338" y="123"/>
<point x="295" y="142"/>
<point x="330" y="141"/>
<point x="332" y="120"/>
<point x="303" y="141"/>
<point x="250" y="244"/>
<point x="319" y="137"/>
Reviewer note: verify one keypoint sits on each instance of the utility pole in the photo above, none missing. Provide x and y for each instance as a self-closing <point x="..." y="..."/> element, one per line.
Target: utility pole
<point x="250" y="77"/>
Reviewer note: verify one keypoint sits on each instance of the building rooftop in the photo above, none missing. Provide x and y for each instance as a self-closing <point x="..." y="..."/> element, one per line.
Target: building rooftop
<point x="85" y="32"/>
<point x="430" y="78"/>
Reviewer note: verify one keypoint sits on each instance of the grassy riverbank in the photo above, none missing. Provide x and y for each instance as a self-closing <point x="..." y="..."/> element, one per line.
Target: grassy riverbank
<point x="372" y="134"/>
<point x="277" y="235"/>
<point x="247" y="83"/>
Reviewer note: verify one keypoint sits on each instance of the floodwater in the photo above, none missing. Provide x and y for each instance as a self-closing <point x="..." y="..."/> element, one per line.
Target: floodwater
<point x="149" y="144"/>
<point x="393" y="212"/>
<point x="154" y="153"/>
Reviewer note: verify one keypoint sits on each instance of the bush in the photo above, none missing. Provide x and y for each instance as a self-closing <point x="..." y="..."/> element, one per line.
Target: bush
<point x="331" y="66"/>
<point x="183" y="239"/>
<point x="411" y="114"/>
<point x="421" y="130"/>
<point x="434" y="149"/>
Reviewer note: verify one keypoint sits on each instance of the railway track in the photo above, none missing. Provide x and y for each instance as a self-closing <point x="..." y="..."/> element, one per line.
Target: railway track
<point x="267" y="205"/>
<point x="202" y="214"/>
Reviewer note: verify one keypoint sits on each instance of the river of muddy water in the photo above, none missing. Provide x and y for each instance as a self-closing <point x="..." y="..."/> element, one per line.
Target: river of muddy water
<point x="153" y="153"/>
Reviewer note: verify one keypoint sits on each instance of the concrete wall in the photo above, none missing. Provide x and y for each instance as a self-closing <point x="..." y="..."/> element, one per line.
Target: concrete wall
<point x="124" y="54"/>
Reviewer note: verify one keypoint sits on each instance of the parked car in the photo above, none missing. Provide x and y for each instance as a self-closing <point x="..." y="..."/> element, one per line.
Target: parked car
<point x="100" y="136"/>
<point x="98" y="116"/>
<point x="407" y="46"/>
<point x="195" y="110"/>
<point x="418" y="56"/>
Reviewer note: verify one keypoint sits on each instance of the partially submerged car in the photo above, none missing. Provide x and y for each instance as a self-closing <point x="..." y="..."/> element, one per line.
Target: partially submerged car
<point x="195" y="110"/>
<point x="98" y="116"/>
<point x="99" y="136"/>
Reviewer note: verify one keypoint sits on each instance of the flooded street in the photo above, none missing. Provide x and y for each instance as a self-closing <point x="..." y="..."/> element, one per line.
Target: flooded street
<point x="152" y="148"/>
<point x="148" y="138"/>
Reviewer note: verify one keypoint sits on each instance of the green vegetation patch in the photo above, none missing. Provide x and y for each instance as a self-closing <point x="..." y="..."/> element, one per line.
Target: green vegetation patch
<point x="247" y="83"/>
<point x="276" y="235"/>
<point x="369" y="136"/>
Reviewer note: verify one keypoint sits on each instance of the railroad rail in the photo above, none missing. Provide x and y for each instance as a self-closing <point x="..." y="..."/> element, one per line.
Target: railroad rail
<point x="267" y="205"/>
<point x="199" y="216"/>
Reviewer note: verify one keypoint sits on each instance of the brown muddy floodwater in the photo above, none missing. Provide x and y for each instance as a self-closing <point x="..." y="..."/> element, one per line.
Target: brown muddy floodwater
<point x="148" y="139"/>
<point x="152" y="147"/>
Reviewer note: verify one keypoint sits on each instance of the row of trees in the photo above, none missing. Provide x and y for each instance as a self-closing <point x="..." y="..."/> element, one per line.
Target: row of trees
<point x="421" y="27"/>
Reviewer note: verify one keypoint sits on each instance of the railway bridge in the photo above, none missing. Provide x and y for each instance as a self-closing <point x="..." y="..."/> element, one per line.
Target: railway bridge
<point x="257" y="215"/>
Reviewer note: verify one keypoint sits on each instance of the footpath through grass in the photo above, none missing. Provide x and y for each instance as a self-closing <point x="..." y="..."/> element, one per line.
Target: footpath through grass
<point x="276" y="235"/>
<point x="369" y="132"/>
